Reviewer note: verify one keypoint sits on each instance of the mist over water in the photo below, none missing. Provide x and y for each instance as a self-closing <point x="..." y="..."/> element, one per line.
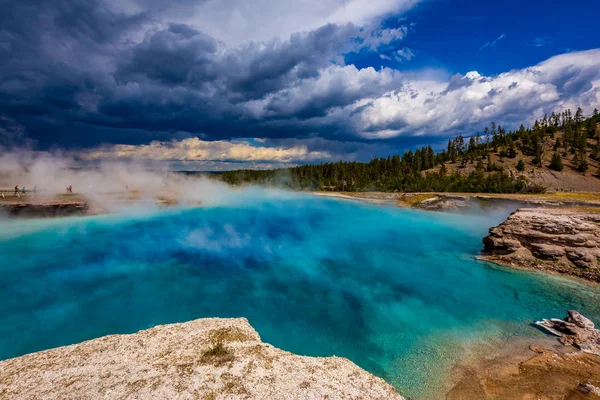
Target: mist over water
<point x="111" y="186"/>
<point x="396" y="291"/>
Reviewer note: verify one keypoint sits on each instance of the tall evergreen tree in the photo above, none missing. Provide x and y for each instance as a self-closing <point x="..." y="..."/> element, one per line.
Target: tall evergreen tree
<point x="582" y="163"/>
<point x="556" y="163"/>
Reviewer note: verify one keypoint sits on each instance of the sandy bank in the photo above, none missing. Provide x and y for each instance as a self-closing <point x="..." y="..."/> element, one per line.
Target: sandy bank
<point x="525" y="369"/>
<point x="567" y="368"/>
<point x="451" y="201"/>
<point x="210" y="358"/>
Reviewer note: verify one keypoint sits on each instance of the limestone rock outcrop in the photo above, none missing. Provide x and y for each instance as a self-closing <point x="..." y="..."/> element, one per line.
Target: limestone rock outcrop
<point x="575" y="330"/>
<point x="209" y="358"/>
<point x="561" y="240"/>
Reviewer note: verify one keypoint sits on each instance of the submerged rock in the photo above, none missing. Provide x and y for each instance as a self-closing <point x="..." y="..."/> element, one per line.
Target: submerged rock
<point x="561" y="240"/>
<point x="575" y="330"/>
<point x="208" y="358"/>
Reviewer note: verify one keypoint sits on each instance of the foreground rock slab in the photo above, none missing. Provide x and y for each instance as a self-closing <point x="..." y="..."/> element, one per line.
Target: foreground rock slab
<point x="209" y="358"/>
<point x="566" y="241"/>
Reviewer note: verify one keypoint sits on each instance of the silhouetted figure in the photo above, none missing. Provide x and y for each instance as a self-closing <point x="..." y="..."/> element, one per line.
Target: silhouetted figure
<point x="16" y="190"/>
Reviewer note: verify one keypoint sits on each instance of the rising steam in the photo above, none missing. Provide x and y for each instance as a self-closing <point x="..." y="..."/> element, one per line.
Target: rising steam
<point x="110" y="185"/>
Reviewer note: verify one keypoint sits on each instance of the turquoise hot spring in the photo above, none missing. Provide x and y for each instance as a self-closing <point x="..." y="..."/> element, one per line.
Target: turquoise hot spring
<point x="399" y="292"/>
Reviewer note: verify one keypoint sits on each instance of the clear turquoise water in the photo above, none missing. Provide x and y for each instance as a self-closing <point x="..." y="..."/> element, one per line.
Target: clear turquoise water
<point x="397" y="291"/>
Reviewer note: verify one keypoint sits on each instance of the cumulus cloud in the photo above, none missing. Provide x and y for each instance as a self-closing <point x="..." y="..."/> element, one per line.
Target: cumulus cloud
<point x="423" y="106"/>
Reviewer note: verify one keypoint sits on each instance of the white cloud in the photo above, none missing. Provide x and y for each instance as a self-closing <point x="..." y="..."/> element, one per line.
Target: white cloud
<point x="196" y="150"/>
<point x="493" y="42"/>
<point x="238" y="21"/>
<point x="405" y="54"/>
<point x="434" y="106"/>
<point x="334" y="83"/>
<point x="426" y="103"/>
<point x="377" y="37"/>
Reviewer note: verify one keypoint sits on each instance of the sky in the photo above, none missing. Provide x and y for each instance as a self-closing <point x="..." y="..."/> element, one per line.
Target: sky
<point x="228" y="84"/>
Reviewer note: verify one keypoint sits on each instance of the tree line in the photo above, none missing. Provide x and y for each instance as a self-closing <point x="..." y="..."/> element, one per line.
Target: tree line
<point x="409" y="172"/>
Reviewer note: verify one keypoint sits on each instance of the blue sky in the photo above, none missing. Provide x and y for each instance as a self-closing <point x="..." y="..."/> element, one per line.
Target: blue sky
<point x="450" y="34"/>
<point x="221" y="84"/>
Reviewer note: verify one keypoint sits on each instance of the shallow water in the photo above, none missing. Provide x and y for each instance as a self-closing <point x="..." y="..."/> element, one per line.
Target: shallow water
<point x="397" y="291"/>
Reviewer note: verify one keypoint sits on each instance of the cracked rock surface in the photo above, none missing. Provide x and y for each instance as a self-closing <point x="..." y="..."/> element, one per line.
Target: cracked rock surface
<point x="209" y="358"/>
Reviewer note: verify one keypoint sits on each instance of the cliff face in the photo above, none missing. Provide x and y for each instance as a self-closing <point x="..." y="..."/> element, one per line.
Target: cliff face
<point x="561" y="240"/>
<point x="209" y="358"/>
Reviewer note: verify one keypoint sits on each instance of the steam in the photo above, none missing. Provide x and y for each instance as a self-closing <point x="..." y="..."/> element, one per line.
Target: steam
<point x="111" y="186"/>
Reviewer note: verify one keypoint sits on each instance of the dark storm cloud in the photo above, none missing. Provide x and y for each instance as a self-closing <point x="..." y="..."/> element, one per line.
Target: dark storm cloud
<point x="181" y="55"/>
<point x="80" y="73"/>
<point x="72" y="63"/>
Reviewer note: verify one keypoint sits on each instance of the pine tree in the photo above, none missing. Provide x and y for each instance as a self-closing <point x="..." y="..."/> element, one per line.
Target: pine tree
<point x="578" y="115"/>
<point x="582" y="163"/>
<point x="520" y="166"/>
<point x="556" y="163"/>
<point x="490" y="165"/>
<point x="443" y="170"/>
<point x="556" y="144"/>
<point x="537" y="160"/>
<point x="512" y="151"/>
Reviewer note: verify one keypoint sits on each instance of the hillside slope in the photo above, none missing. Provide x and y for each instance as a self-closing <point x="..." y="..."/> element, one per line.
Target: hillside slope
<point x="569" y="179"/>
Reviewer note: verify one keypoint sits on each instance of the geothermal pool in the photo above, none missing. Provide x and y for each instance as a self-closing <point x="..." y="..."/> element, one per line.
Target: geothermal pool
<point x="396" y="291"/>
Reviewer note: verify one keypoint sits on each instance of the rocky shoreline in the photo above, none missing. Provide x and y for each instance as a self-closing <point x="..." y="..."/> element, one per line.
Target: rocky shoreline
<point x="76" y="205"/>
<point x="565" y="241"/>
<point x="524" y="368"/>
<point x="45" y="209"/>
<point x="212" y="358"/>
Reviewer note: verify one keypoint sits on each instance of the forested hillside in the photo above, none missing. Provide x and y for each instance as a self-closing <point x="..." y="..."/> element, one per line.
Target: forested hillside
<point x="495" y="161"/>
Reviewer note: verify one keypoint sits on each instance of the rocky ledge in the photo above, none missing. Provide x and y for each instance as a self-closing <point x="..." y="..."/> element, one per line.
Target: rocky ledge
<point x="566" y="241"/>
<point x="44" y="209"/>
<point x="209" y="358"/>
